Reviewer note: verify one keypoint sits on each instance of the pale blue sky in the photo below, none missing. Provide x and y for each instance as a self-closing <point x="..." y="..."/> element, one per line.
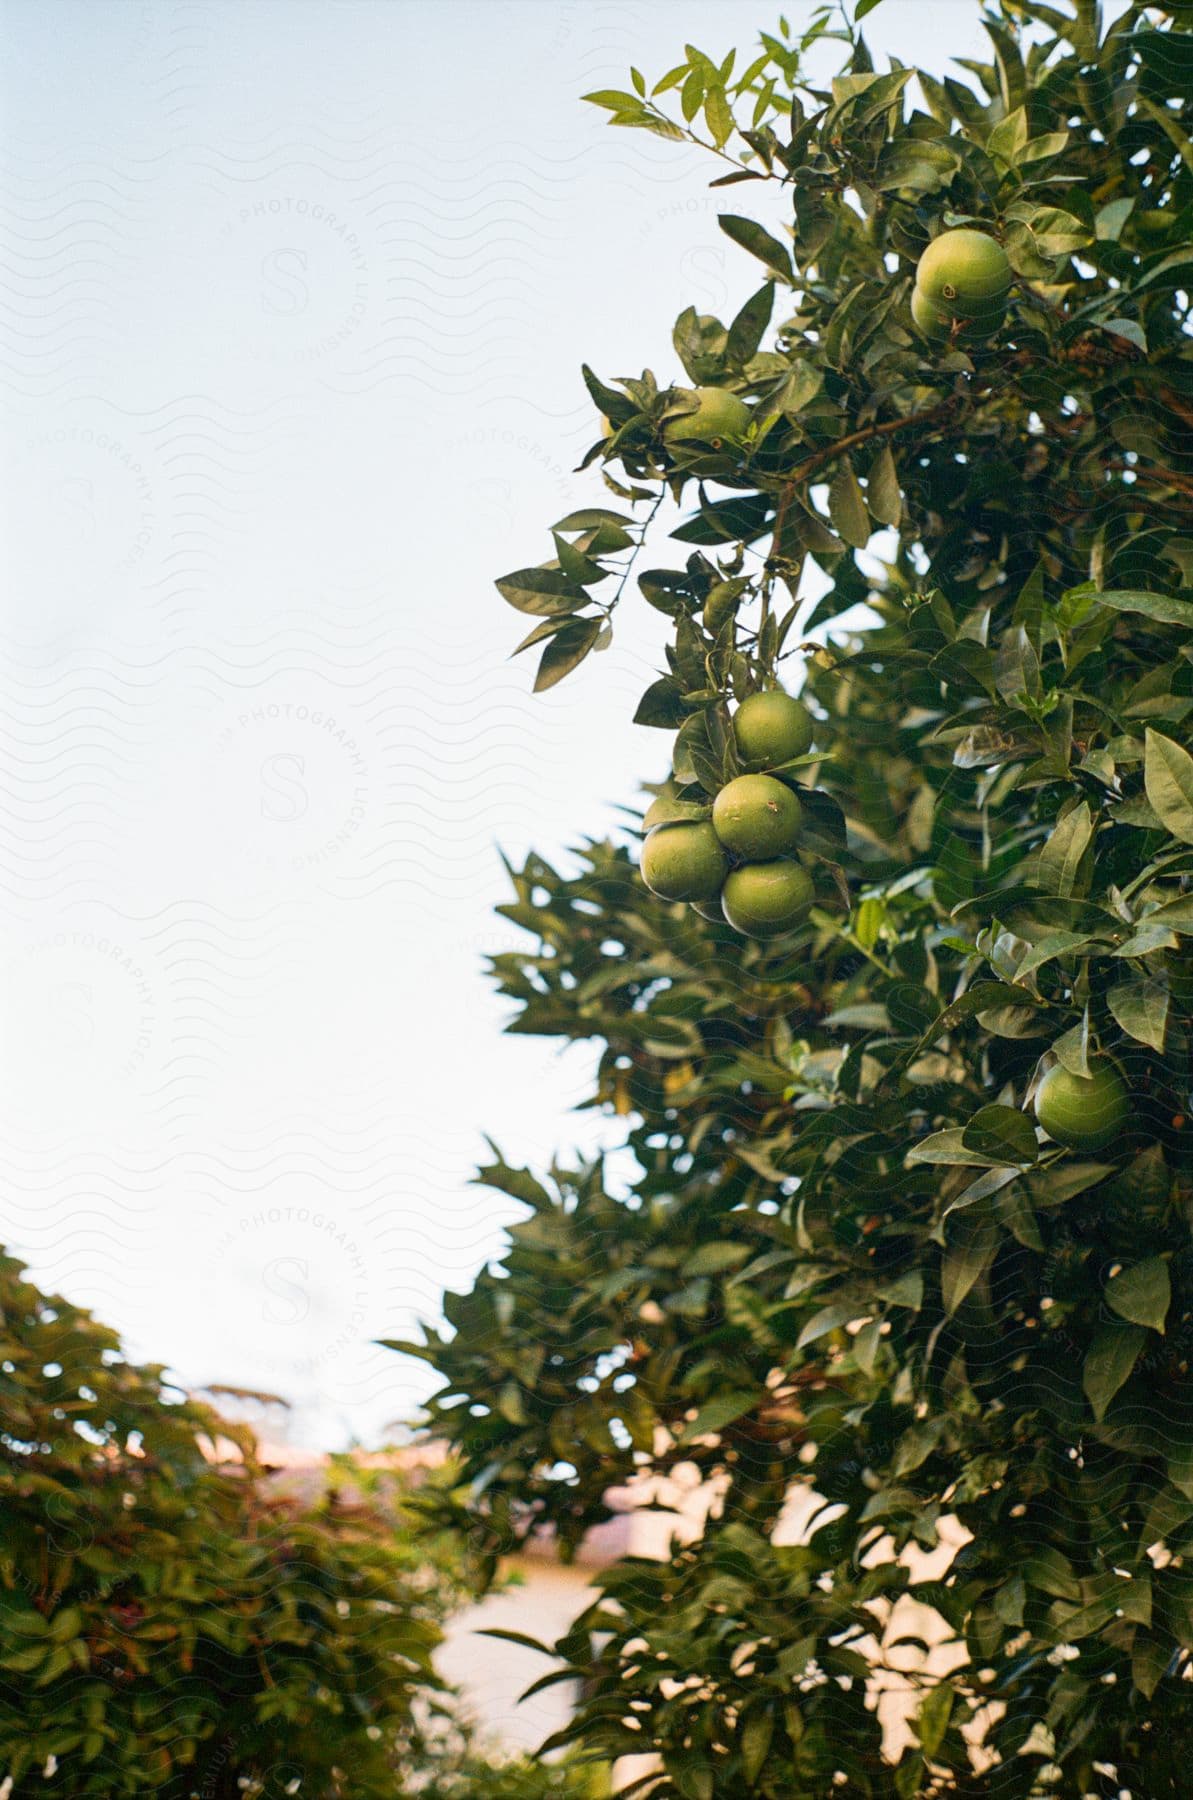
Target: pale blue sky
<point x="295" y="302"/>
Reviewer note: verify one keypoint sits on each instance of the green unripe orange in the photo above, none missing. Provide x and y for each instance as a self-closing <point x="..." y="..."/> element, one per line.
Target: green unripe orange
<point x="930" y="321"/>
<point x="757" y="817"/>
<point x="684" y="862"/>
<point x="770" y="729"/>
<point x="967" y="270"/>
<point x="764" y="899"/>
<point x="718" y="417"/>
<point x="964" y="276"/>
<point x="1083" y="1112"/>
<point x="936" y="323"/>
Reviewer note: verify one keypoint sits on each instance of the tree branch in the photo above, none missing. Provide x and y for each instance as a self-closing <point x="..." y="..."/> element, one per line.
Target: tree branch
<point x="867" y="434"/>
<point x="1160" y="477"/>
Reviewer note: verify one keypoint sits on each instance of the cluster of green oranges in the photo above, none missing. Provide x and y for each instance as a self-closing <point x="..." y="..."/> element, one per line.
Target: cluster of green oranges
<point x="740" y="865"/>
<point x="961" y="286"/>
<point x="962" y="283"/>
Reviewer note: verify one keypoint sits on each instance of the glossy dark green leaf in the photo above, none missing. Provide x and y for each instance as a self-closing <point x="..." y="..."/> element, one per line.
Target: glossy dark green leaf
<point x="1110" y="1360"/>
<point x="1168" y="776"/>
<point x="717" y="1413"/>
<point x="1001" y="1132"/>
<point x="759" y="242"/>
<point x="932" y="1719"/>
<point x="541" y="591"/>
<point x="1060" y="859"/>
<point x="882" y="488"/>
<point x="847" y="506"/>
<point x="1141" y="1293"/>
<point x="661" y="705"/>
<point x="1141" y="1008"/>
<point x="916" y="166"/>
<point x="747" y="330"/>
<point x="757" y="1733"/>
<point x="566" y="650"/>
<point x="971" y="1248"/>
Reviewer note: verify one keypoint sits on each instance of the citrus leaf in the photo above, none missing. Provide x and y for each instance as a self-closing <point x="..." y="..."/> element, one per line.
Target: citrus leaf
<point x="544" y="629"/>
<point x="1053" y="943"/>
<point x="1002" y="1132"/>
<point x="1168" y="778"/>
<point x="1141" y="1294"/>
<point x="589" y="518"/>
<point x="756" y="1736"/>
<point x="921" y="165"/>
<point x="829" y="1318"/>
<point x="1175" y="915"/>
<point x="882" y="489"/>
<point x="1162" y="607"/>
<point x="567" y="649"/>
<point x="618" y="408"/>
<point x="979" y="998"/>
<point x="933" y="1717"/>
<point x="520" y="1638"/>
<point x="1110" y="1360"/>
<point x="1149" y="1658"/>
<point x="1071" y="1049"/>
<point x="1062" y="1181"/>
<point x="966" y="1259"/>
<point x="661" y="705"/>
<point x="1130" y="329"/>
<point x="1009" y="136"/>
<point x="746" y="331"/>
<point x="721" y="1410"/>
<point x="719" y="115"/>
<point x="1061" y="856"/>
<point x="847" y="507"/>
<point x="541" y="591"/>
<point x="1141" y="1008"/>
<point x="665" y="811"/>
<point x="751" y="236"/>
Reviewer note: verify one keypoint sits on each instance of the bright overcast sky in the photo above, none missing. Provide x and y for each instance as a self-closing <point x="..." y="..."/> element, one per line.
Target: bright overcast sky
<point x="296" y="295"/>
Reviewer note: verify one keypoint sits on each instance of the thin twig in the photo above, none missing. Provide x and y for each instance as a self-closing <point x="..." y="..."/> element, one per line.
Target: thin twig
<point x="1179" y="406"/>
<point x="643" y="529"/>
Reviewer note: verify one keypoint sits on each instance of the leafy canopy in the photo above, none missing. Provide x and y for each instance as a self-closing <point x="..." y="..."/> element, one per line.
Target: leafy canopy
<point x="171" y="1623"/>
<point x="846" y="1264"/>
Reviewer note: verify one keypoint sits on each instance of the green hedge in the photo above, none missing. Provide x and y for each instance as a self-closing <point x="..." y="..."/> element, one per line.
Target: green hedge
<point x="171" y="1624"/>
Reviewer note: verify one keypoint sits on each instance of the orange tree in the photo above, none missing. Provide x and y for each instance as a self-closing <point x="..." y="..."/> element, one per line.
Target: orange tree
<point x="908" y="1222"/>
